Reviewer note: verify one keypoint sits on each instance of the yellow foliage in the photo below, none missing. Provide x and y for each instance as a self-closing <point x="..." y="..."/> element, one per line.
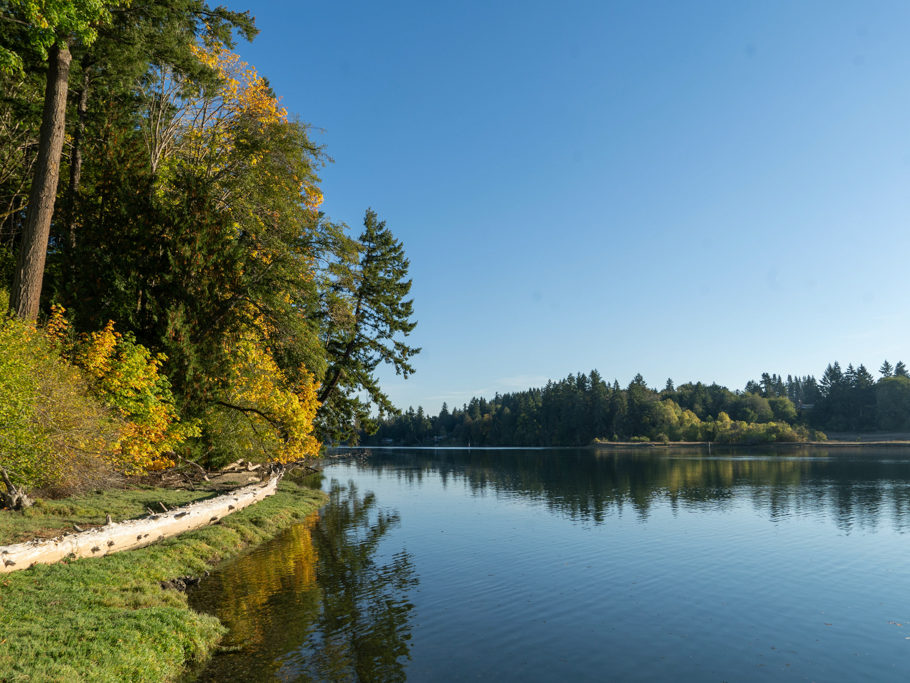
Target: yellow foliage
<point x="312" y="196"/>
<point x="53" y="433"/>
<point x="217" y="120"/>
<point x="58" y="328"/>
<point x="95" y="354"/>
<point x="126" y="377"/>
<point x="243" y="90"/>
<point x="278" y="417"/>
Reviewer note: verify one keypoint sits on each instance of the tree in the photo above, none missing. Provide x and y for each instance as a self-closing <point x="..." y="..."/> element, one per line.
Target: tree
<point x="892" y="398"/>
<point x="886" y="370"/>
<point x="49" y="28"/>
<point x="767" y="385"/>
<point x="369" y="318"/>
<point x="783" y="409"/>
<point x="64" y="33"/>
<point x="832" y="379"/>
<point x="115" y="74"/>
<point x="900" y="370"/>
<point x="207" y="255"/>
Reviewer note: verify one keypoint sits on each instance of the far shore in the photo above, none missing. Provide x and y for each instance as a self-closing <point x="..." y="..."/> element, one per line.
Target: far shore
<point x="844" y="441"/>
<point x="833" y="443"/>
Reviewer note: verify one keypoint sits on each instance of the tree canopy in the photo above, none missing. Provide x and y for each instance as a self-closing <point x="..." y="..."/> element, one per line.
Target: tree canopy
<point x="583" y="408"/>
<point x="153" y="186"/>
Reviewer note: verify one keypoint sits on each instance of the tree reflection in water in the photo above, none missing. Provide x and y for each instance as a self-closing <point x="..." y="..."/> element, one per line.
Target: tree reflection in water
<point x="363" y="629"/>
<point x="856" y="488"/>
<point x="316" y="603"/>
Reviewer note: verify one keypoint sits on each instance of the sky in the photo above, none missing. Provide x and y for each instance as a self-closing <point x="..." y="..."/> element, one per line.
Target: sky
<point x="700" y="191"/>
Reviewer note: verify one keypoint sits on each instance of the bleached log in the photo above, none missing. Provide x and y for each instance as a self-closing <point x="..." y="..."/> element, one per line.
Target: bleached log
<point x="134" y="533"/>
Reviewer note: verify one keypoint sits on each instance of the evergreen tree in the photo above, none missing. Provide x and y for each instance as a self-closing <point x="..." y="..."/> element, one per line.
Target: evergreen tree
<point x="372" y="330"/>
<point x="832" y="379"/>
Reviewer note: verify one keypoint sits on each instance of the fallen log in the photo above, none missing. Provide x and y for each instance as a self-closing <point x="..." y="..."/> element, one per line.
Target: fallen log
<point x="135" y="533"/>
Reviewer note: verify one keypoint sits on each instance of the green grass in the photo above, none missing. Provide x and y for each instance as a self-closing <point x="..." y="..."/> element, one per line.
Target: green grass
<point x="108" y="619"/>
<point x="52" y="517"/>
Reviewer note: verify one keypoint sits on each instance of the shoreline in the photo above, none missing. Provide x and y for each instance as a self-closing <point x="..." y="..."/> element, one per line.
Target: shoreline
<point x="117" y="617"/>
<point x="644" y="445"/>
<point x="840" y="443"/>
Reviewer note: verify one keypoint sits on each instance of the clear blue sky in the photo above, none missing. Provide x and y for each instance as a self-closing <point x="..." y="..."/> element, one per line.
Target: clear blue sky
<point x="702" y="191"/>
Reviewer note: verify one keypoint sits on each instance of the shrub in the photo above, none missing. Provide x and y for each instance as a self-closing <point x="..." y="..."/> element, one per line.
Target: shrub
<point x="125" y="377"/>
<point x="53" y="434"/>
<point x="738" y="432"/>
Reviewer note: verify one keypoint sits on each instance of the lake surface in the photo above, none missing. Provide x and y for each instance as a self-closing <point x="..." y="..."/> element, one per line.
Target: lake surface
<point x="544" y="565"/>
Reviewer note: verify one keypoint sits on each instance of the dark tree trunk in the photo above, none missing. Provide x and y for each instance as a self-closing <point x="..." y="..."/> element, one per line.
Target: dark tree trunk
<point x="26" y="292"/>
<point x="76" y="162"/>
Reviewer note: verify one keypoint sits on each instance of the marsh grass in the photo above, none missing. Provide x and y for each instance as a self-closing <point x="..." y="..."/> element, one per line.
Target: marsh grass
<point x="108" y="619"/>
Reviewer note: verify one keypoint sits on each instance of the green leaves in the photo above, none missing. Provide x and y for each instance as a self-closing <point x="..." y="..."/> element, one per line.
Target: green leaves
<point x="367" y="321"/>
<point x="53" y="22"/>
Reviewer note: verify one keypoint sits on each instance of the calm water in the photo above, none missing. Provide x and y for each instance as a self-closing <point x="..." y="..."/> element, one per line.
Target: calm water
<point x="537" y="565"/>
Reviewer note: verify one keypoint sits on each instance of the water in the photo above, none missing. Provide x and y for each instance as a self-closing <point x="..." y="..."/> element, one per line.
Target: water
<point x="539" y="565"/>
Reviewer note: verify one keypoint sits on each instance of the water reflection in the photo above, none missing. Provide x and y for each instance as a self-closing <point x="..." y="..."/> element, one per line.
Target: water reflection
<point x="855" y="488"/>
<point x="317" y="603"/>
<point x="363" y="628"/>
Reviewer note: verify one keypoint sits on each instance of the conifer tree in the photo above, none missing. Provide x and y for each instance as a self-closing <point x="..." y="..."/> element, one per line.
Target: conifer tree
<point x="370" y="329"/>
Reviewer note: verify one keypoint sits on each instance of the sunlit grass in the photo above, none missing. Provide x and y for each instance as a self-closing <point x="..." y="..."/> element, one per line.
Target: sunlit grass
<point x="53" y="517"/>
<point x="108" y="619"/>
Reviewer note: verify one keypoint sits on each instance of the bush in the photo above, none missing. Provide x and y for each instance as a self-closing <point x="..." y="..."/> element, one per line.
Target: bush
<point x="125" y="377"/>
<point x="53" y="434"/>
<point x="746" y="433"/>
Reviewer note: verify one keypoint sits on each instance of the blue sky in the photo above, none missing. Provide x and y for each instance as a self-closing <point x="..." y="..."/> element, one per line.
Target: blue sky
<point x="702" y="191"/>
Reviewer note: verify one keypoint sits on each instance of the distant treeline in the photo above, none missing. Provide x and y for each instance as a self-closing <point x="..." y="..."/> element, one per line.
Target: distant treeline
<point x="583" y="408"/>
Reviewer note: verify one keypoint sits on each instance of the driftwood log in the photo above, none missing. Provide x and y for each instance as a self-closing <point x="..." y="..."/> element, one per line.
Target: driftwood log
<point x="134" y="533"/>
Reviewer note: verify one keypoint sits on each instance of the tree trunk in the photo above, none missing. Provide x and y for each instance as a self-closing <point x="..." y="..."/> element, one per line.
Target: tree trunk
<point x="26" y="292"/>
<point x="76" y="161"/>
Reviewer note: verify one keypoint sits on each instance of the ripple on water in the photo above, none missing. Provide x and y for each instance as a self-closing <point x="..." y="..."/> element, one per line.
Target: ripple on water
<point x="584" y="567"/>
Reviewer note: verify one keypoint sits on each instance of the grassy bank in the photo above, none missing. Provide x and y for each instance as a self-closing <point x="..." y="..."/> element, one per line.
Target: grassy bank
<point x="108" y="619"/>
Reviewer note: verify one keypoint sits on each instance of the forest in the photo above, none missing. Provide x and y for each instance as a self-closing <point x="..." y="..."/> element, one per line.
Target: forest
<point x="584" y="408"/>
<point x="174" y="292"/>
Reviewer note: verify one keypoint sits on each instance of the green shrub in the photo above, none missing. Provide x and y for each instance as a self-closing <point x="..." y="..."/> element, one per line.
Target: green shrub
<point x="53" y="434"/>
